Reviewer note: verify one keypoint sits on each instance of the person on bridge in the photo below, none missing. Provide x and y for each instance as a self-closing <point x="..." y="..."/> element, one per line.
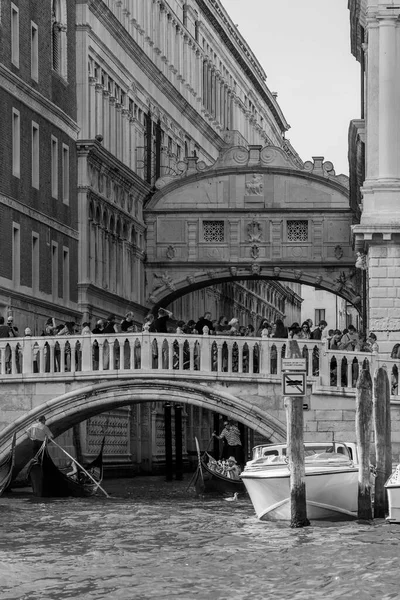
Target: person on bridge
<point x="205" y="322"/>
<point x="38" y="433"/>
<point x="232" y="446"/>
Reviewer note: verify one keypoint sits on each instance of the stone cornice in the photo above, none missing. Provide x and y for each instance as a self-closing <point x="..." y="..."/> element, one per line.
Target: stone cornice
<point x="120" y="170"/>
<point x="26" y="94"/>
<point x="36" y="215"/>
<point x="111" y="23"/>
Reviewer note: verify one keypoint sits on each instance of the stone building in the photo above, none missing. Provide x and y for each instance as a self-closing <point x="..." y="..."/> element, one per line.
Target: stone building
<point x="374" y="162"/>
<point x="103" y="99"/>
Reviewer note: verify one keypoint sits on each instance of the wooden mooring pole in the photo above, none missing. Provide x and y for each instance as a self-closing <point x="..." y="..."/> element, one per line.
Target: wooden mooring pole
<point x="295" y="447"/>
<point x="363" y="434"/>
<point x="178" y="443"/>
<point x="383" y="442"/>
<point x="168" y="442"/>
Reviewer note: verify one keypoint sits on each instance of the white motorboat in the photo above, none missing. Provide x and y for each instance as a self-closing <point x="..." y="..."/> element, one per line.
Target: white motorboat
<point x="393" y="492"/>
<point x="331" y="481"/>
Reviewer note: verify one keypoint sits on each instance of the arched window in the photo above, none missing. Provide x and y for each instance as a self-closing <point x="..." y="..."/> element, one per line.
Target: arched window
<point x="59" y="37"/>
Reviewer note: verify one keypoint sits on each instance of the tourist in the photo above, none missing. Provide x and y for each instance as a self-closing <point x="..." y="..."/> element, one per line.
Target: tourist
<point x="205" y="322"/>
<point x="38" y="433"/>
<point x="232" y="469"/>
<point x="222" y="326"/>
<point x="233" y="447"/>
<point x="335" y="341"/>
<point x="85" y="328"/>
<point x="317" y="333"/>
<point x="127" y="324"/>
<point x="349" y="339"/>
<point x="160" y="324"/>
<point x="294" y="331"/>
<point x="305" y="332"/>
<point x="280" y="330"/>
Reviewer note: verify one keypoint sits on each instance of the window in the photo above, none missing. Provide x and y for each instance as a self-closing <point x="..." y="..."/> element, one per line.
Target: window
<point x="16" y="143"/>
<point x="54" y="167"/>
<point x="297" y="231"/>
<point x="319" y="315"/>
<point x="35" y="262"/>
<point x="15" y="35"/>
<point x="16" y="255"/>
<point x="65" y="173"/>
<point x="34" y="52"/>
<point x="213" y="231"/>
<point x="65" y="274"/>
<point x="35" y="155"/>
<point x="54" y="271"/>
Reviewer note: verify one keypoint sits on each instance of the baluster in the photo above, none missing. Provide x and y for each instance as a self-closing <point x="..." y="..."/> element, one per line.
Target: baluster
<point x="251" y="358"/>
<point x="219" y="358"/>
<point x="230" y="350"/>
<point x="111" y="344"/>
<point x="240" y="357"/>
<point x="180" y="365"/>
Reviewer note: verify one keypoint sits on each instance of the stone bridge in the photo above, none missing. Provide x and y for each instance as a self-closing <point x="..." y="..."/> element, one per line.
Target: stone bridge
<point x="255" y="213"/>
<point x="70" y="379"/>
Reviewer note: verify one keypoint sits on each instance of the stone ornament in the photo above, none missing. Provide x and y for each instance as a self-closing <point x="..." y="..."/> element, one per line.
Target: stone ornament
<point x="255" y="269"/>
<point x="171" y="252"/>
<point x="338" y="252"/>
<point x="254" y="231"/>
<point x="233" y="270"/>
<point x="255" y="251"/>
<point x="385" y="324"/>
<point x="165" y="280"/>
<point x="254" y="187"/>
<point x="277" y="271"/>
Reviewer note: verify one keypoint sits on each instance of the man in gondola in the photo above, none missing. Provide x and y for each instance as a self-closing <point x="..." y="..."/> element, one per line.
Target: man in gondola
<point x="233" y="446"/>
<point x="38" y="432"/>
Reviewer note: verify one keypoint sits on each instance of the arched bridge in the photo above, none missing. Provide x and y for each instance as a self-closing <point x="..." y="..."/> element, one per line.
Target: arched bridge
<point x="72" y="378"/>
<point x="256" y="212"/>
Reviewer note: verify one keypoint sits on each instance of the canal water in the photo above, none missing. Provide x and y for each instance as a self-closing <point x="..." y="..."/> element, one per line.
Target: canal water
<point x="155" y="539"/>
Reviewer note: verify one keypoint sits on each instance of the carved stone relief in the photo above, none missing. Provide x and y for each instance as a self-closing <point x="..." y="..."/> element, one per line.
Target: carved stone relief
<point x="254" y="187"/>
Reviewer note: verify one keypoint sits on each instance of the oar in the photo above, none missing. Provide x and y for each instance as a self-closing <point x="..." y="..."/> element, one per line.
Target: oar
<point x="80" y="466"/>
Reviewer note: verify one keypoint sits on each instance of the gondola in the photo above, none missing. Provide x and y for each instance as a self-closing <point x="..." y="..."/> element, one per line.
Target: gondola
<point x="209" y="481"/>
<point x="6" y="468"/>
<point x="48" y="481"/>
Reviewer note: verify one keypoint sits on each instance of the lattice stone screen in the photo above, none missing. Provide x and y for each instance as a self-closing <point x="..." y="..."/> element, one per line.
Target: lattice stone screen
<point x="297" y="231"/>
<point x="213" y="231"/>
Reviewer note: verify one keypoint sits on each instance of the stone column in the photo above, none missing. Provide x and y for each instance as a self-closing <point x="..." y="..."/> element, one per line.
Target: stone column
<point x="99" y="129"/>
<point x="92" y="108"/>
<point x="378" y="233"/>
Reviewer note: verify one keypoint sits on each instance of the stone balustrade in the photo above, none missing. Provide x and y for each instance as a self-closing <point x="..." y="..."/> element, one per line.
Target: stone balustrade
<point x="70" y="357"/>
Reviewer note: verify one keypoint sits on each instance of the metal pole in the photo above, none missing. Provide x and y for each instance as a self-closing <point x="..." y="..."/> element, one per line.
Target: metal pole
<point x="178" y="443"/>
<point x="168" y="442"/>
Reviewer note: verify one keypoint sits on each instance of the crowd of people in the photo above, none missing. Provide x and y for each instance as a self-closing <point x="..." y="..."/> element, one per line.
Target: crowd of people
<point x="164" y="322"/>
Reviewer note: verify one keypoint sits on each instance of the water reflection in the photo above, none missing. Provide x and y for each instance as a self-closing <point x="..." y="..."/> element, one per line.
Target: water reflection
<point x="154" y="539"/>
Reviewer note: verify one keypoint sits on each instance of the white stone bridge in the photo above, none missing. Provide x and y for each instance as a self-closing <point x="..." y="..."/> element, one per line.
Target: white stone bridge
<point x="72" y="378"/>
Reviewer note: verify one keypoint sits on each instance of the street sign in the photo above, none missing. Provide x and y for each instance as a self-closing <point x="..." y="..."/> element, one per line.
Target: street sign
<point x="294" y="364"/>
<point x="294" y="383"/>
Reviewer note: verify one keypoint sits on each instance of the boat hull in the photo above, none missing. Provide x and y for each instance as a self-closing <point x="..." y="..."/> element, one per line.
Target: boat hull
<point x="329" y="494"/>
<point x="6" y="468"/>
<point x="207" y="481"/>
<point x="48" y="481"/>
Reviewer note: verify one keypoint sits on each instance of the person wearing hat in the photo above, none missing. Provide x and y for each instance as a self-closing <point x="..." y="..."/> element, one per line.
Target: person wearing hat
<point x="38" y="433"/>
<point x="233" y="469"/>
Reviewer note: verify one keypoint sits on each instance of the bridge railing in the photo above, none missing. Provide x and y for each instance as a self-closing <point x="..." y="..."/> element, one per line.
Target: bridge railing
<point x="69" y="356"/>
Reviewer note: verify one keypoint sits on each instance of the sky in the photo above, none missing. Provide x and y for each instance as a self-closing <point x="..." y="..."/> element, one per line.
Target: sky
<point x="304" y="49"/>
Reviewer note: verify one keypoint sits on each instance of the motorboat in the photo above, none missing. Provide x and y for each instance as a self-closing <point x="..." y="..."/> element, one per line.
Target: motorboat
<point x="392" y="487"/>
<point x="331" y="478"/>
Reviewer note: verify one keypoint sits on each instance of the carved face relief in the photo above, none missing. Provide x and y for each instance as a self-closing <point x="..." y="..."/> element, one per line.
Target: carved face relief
<point x="254" y="187"/>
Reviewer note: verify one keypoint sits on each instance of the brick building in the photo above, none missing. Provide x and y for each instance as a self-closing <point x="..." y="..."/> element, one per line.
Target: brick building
<point x="38" y="131"/>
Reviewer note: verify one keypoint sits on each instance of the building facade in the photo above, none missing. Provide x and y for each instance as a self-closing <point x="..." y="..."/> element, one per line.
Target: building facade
<point x="375" y="162"/>
<point x="38" y="200"/>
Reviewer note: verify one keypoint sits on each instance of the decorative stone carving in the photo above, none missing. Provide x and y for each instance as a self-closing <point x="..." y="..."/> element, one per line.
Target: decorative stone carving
<point x="338" y="252"/>
<point x="255" y="269"/>
<point x="385" y="324"/>
<point x="318" y="280"/>
<point x="361" y="262"/>
<point x="211" y="274"/>
<point x="254" y="232"/>
<point x="233" y="270"/>
<point x="171" y="252"/>
<point x="277" y="271"/>
<point x="165" y="280"/>
<point x="254" y="187"/>
<point x="190" y="279"/>
<point x="343" y="281"/>
<point x="298" y="273"/>
<point x="255" y="251"/>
